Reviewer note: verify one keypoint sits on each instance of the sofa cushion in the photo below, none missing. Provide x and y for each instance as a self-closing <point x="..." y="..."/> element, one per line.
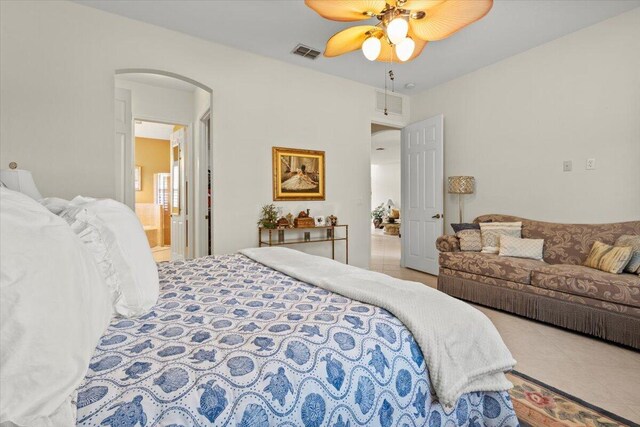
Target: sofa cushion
<point x="491" y="265"/>
<point x="581" y="280"/>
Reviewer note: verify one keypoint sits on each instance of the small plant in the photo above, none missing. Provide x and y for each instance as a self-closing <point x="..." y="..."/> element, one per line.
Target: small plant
<point x="379" y="212"/>
<point x="269" y="216"/>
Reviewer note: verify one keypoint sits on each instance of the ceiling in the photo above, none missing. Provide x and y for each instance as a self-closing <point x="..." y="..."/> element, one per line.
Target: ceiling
<point x="153" y="130"/>
<point x="273" y="28"/>
<point x="389" y="140"/>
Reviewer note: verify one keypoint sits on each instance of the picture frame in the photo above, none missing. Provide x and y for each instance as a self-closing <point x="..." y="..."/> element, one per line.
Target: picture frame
<point x="298" y="174"/>
<point x="137" y="178"/>
<point x="320" y="221"/>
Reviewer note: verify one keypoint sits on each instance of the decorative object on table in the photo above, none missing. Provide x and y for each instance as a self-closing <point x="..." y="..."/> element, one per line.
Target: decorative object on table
<point x="378" y="214"/>
<point x="461" y="185"/>
<point x="290" y="219"/>
<point x="269" y="216"/>
<point x="137" y="178"/>
<point x="283" y="223"/>
<point x="537" y="403"/>
<point x="391" y="228"/>
<point x="307" y="236"/>
<point x="320" y="222"/>
<point x="19" y="180"/>
<point x="332" y="220"/>
<point x="298" y="174"/>
<point x="304" y="220"/>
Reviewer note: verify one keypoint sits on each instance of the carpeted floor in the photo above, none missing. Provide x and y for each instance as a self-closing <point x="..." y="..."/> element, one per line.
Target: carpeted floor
<point x="537" y="404"/>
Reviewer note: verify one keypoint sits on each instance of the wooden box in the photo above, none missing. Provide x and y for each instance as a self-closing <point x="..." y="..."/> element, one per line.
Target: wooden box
<point x="304" y="222"/>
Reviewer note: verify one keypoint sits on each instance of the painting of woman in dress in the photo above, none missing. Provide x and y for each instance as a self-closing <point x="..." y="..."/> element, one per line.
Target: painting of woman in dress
<point x="298" y="174"/>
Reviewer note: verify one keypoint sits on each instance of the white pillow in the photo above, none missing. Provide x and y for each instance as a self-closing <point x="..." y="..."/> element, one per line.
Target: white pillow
<point x="116" y="239"/>
<point x="521" y="248"/>
<point x="54" y="307"/>
<point x="55" y="204"/>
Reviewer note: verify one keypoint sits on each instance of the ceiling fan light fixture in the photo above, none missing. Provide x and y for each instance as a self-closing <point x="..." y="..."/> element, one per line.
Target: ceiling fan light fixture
<point x="371" y="48"/>
<point x="397" y="30"/>
<point x="405" y="49"/>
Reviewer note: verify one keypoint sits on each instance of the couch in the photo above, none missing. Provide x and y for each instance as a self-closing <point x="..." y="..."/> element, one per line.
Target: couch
<point x="558" y="290"/>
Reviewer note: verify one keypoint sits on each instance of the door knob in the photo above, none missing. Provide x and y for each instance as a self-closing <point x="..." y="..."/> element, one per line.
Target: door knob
<point x="436" y="216"/>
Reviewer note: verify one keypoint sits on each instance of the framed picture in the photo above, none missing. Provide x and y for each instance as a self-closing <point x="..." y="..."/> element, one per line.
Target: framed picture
<point x="298" y="174"/>
<point x="320" y="222"/>
<point x="137" y="178"/>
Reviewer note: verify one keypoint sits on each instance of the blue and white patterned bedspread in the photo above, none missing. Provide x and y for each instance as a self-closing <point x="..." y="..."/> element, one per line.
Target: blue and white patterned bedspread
<point x="234" y="343"/>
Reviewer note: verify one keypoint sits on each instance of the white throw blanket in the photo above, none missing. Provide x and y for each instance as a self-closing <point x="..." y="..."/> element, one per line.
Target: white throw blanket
<point x="462" y="349"/>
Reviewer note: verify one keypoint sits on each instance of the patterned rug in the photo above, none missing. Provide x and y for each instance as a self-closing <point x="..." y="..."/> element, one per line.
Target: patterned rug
<point x="538" y="404"/>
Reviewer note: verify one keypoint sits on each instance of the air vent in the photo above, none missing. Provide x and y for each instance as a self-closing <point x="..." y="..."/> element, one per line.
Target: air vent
<point x="394" y="103"/>
<point x="306" y="51"/>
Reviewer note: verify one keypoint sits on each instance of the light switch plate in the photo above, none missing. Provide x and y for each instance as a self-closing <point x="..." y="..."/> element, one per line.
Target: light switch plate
<point x="591" y="164"/>
<point x="566" y="166"/>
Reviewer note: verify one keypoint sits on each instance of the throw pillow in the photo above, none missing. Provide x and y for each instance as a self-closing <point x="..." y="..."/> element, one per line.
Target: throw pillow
<point x="634" y="241"/>
<point x="491" y="232"/>
<point x="611" y="259"/>
<point x="470" y="240"/>
<point x="521" y="248"/>
<point x="465" y="226"/>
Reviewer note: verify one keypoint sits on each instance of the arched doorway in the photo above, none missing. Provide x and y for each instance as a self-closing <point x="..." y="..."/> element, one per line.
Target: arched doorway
<point x="145" y="97"/>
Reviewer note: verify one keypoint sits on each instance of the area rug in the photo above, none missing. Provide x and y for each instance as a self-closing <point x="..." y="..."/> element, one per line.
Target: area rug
<point x="538" y="404"/>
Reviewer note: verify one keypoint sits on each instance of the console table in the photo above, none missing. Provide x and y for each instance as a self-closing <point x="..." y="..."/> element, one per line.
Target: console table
<point x="279" y="237"/>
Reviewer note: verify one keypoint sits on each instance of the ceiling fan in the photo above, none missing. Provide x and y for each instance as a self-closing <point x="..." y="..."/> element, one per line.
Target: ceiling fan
<point x="405" y="26"/>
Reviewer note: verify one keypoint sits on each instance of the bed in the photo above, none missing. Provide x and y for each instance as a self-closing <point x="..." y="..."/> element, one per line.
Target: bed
<point x="232" y="342"/>
<point x="94" y="333"/>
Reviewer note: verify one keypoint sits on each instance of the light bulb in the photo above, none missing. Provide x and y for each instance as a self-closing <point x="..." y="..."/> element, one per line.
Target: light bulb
<point x="397" y="30"/>
<point x="371" y="48"/>
<point x="405" y="49"/>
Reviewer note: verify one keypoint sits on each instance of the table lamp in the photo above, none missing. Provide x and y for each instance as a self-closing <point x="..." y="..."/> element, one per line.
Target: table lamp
<point x="461" y="185"/>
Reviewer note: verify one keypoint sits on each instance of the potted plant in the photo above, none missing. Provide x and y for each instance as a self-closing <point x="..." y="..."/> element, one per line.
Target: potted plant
<point x="269" y="216"/>
<point x="377" y="214"/>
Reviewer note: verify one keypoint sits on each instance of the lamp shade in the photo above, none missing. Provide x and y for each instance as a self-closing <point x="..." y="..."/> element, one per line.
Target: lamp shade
<point x="21" y="181"/>
<point x="461" y="184"/>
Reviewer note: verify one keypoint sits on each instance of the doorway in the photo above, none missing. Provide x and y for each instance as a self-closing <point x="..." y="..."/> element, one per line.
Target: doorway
<point x="172" y="201"/>
<point x="386" y="249"/>
<point x="155" y="195"/>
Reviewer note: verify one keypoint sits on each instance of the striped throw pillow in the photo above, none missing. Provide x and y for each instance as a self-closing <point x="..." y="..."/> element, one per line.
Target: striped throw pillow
<point x="612" y="259"/>
<point x="491" y="232"/>
<point x="634" y="242"/>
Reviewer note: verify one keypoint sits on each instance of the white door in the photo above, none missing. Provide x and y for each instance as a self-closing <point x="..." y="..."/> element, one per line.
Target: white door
<point x="179" y="223"/>
<point x="124" y="147"/>
<point x="422" y="193"/>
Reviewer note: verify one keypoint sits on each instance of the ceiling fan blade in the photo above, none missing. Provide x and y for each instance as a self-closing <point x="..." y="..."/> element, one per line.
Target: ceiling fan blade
<point x="415" y="5"/>
<point x="448" y="17"/>
<point x="388" y="53"/>
<point x="348" y="40"/>
<point x="346" y="10"/>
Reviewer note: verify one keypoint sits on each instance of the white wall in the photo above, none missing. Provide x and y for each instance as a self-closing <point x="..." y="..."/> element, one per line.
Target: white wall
<point x="513" y="123"/>
<point x="159" y="103"/>
<point x="58" y="61"/>
<point x="385" y="184"/>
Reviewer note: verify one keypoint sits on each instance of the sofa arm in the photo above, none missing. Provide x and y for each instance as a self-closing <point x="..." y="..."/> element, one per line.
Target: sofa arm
<point x="448" y="243"/>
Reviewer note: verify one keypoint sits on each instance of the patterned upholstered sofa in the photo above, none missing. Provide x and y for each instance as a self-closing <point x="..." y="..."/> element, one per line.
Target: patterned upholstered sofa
<point x="558" y="290"/>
